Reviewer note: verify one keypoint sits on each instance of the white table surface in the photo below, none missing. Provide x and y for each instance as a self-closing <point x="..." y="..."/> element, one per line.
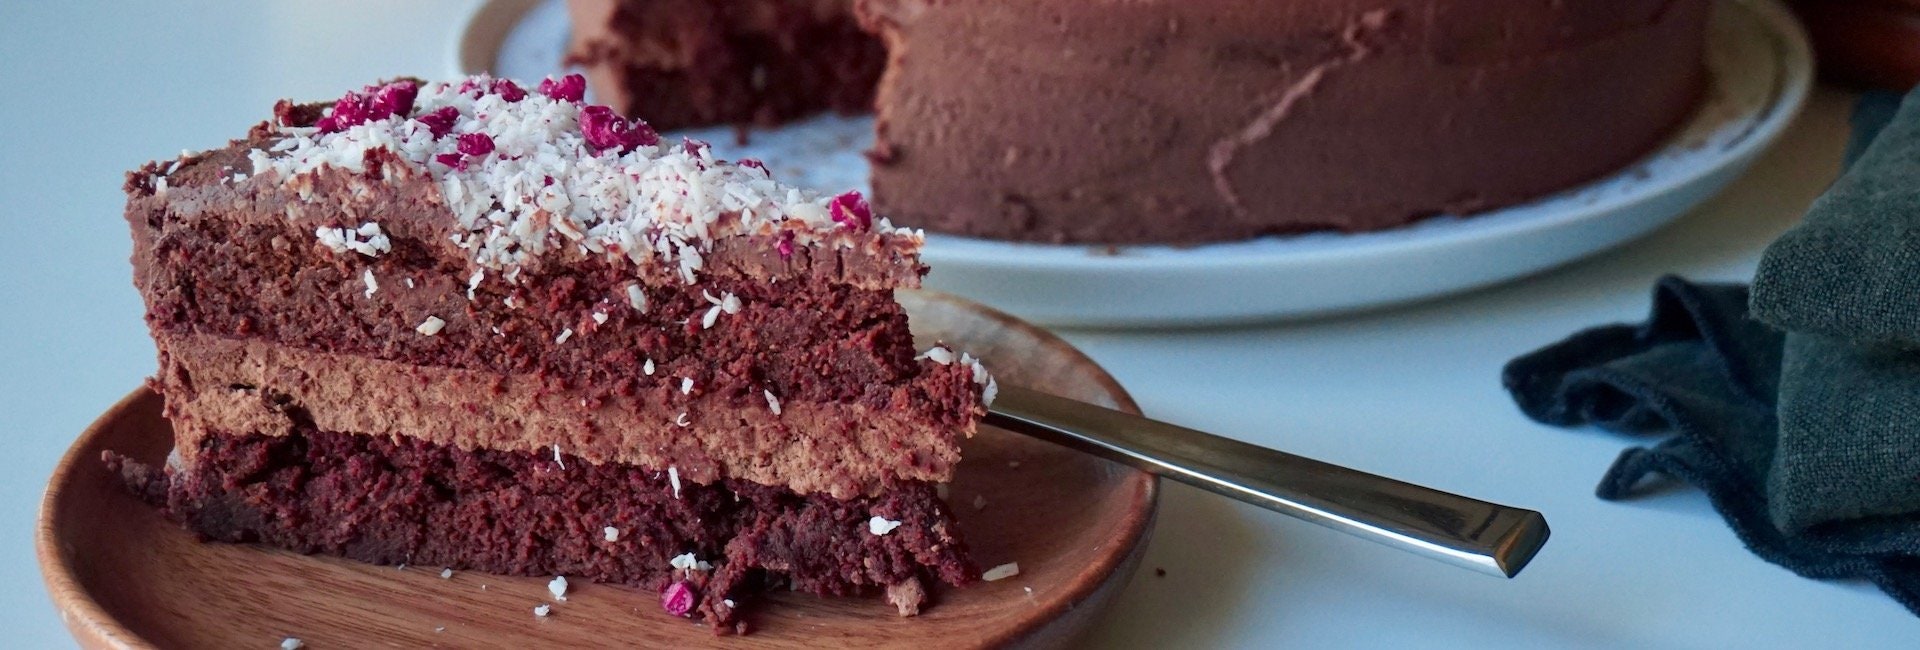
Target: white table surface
<point x="89" y="90"/>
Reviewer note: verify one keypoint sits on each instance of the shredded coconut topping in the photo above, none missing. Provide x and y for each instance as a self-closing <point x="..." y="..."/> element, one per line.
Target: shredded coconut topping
<point x="291" y="643"/>
<point x="687" y="562"/>
<point x="773" y="403"/>
<point x="372" y="285"/>
<point x="648" y="367"/>
<point x="673" y="474"/>
<point x="366" y="240"/>
<point x="431" y="326"/>
<point x="530" y="174"/>
<point x="611" y="534"/>
<point x="556" y="456"/>
<point x="879" y="525"/>
<point x="686" y="385"/>
<point x="564" y="335"/>
<point x="1001" y="572"/>
<point x="558" y="587"/>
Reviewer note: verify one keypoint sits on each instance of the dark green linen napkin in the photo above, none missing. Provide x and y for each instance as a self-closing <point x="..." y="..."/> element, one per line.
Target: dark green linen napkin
<point x="1800" y="419"/>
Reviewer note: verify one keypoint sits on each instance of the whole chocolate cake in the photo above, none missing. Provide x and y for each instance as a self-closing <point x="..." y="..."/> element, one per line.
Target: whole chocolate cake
<point x="484" y="327"/>
<point x="1181" y="121"/>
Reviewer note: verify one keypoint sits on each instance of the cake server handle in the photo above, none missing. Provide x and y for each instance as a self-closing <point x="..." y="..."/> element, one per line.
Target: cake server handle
<point x="1486" y="537"/>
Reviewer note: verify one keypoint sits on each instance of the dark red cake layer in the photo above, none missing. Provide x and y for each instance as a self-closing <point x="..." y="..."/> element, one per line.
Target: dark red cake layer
<point x="394" y="501"/>
<point x="802" y="341"/>
<point x="681" y="63"/>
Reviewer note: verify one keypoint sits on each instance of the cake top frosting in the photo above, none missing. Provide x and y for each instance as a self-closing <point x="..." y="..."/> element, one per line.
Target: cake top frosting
<point x="532" y="174"/>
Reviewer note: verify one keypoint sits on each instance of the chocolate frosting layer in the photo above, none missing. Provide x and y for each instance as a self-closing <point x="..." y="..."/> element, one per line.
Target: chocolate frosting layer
<point x="845" y="450"/>
<point x="1226" y="119"/>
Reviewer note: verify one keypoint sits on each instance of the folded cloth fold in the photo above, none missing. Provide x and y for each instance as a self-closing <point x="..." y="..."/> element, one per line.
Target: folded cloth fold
<point x="1799" y="418"/>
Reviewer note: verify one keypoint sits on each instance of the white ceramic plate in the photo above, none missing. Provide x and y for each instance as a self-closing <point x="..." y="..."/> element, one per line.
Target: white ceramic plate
<point x="1761" y="68"/>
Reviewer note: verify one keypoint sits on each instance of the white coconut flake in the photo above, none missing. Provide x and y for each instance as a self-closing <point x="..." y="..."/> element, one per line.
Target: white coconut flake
<point x="431" y="326"/>
<point x="409" y="283"/>
<point x="637" y="298"/>
<point x="682" y="420"/>
<point x="542" y="610"/>
<point x="879" y="525"/>
<point x="713" y="316"/>
<point x="686" y="385"/>
<point x="446" y="574"/>
<point x="1001" y="572"/>
<point x="291" y="643"/>
<point x="937" y="355"/>
<point x="673" y="474"/>
<point x="558" y="587"/>
<point x="599" y="318"/>
<point x="372" y="284"/>
<point x="474" y="282"/>
<point x="556" y="456"/>
<point x="773" y="403"/>
<point x="545" y="191"/>
<point x="647" y="367"/>
<point x="687" y="562"/>
<point x="991" y="391"/>
<point x="366" y="240"/>
<point x="727" y="601"/>
<point x="611" y="534"/>
<point x="564" y="335"/>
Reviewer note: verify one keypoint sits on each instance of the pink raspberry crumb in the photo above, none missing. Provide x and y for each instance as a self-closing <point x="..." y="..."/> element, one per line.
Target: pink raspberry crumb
<point x="678" y="598"/>
<point x="440" y="122"/>
<point x="785" y="246"/>
<point x="605" y="130"/>
<point x="851" y="210"/>
<point x="476" y="144"/>
<point x="454" y="160"/>
<point x="570" y="88"/>
<point x="693" y="147"/>
<point x="508" y="90"/>
<point x="394" y="99"/>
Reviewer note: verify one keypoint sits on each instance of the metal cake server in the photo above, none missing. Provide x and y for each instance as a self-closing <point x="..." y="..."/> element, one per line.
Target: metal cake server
<point x="1486" y="537"/>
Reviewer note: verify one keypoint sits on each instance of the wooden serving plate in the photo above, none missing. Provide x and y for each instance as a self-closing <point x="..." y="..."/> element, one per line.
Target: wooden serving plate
<point x="123" y="577"/>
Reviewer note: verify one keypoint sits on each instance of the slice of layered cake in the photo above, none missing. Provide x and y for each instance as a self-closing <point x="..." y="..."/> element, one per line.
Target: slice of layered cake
<point x="481" y="326"/>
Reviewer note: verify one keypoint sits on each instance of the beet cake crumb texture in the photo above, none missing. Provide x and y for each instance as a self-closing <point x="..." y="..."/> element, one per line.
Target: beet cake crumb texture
<point x="479" y="324"/>
<point x="404" y="501"/>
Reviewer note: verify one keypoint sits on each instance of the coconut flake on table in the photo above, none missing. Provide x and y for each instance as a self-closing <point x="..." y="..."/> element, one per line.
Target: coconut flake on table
<point x="1001" y="572"/>
<point x="558" y="587"/>
<point x="528" y="175"/>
